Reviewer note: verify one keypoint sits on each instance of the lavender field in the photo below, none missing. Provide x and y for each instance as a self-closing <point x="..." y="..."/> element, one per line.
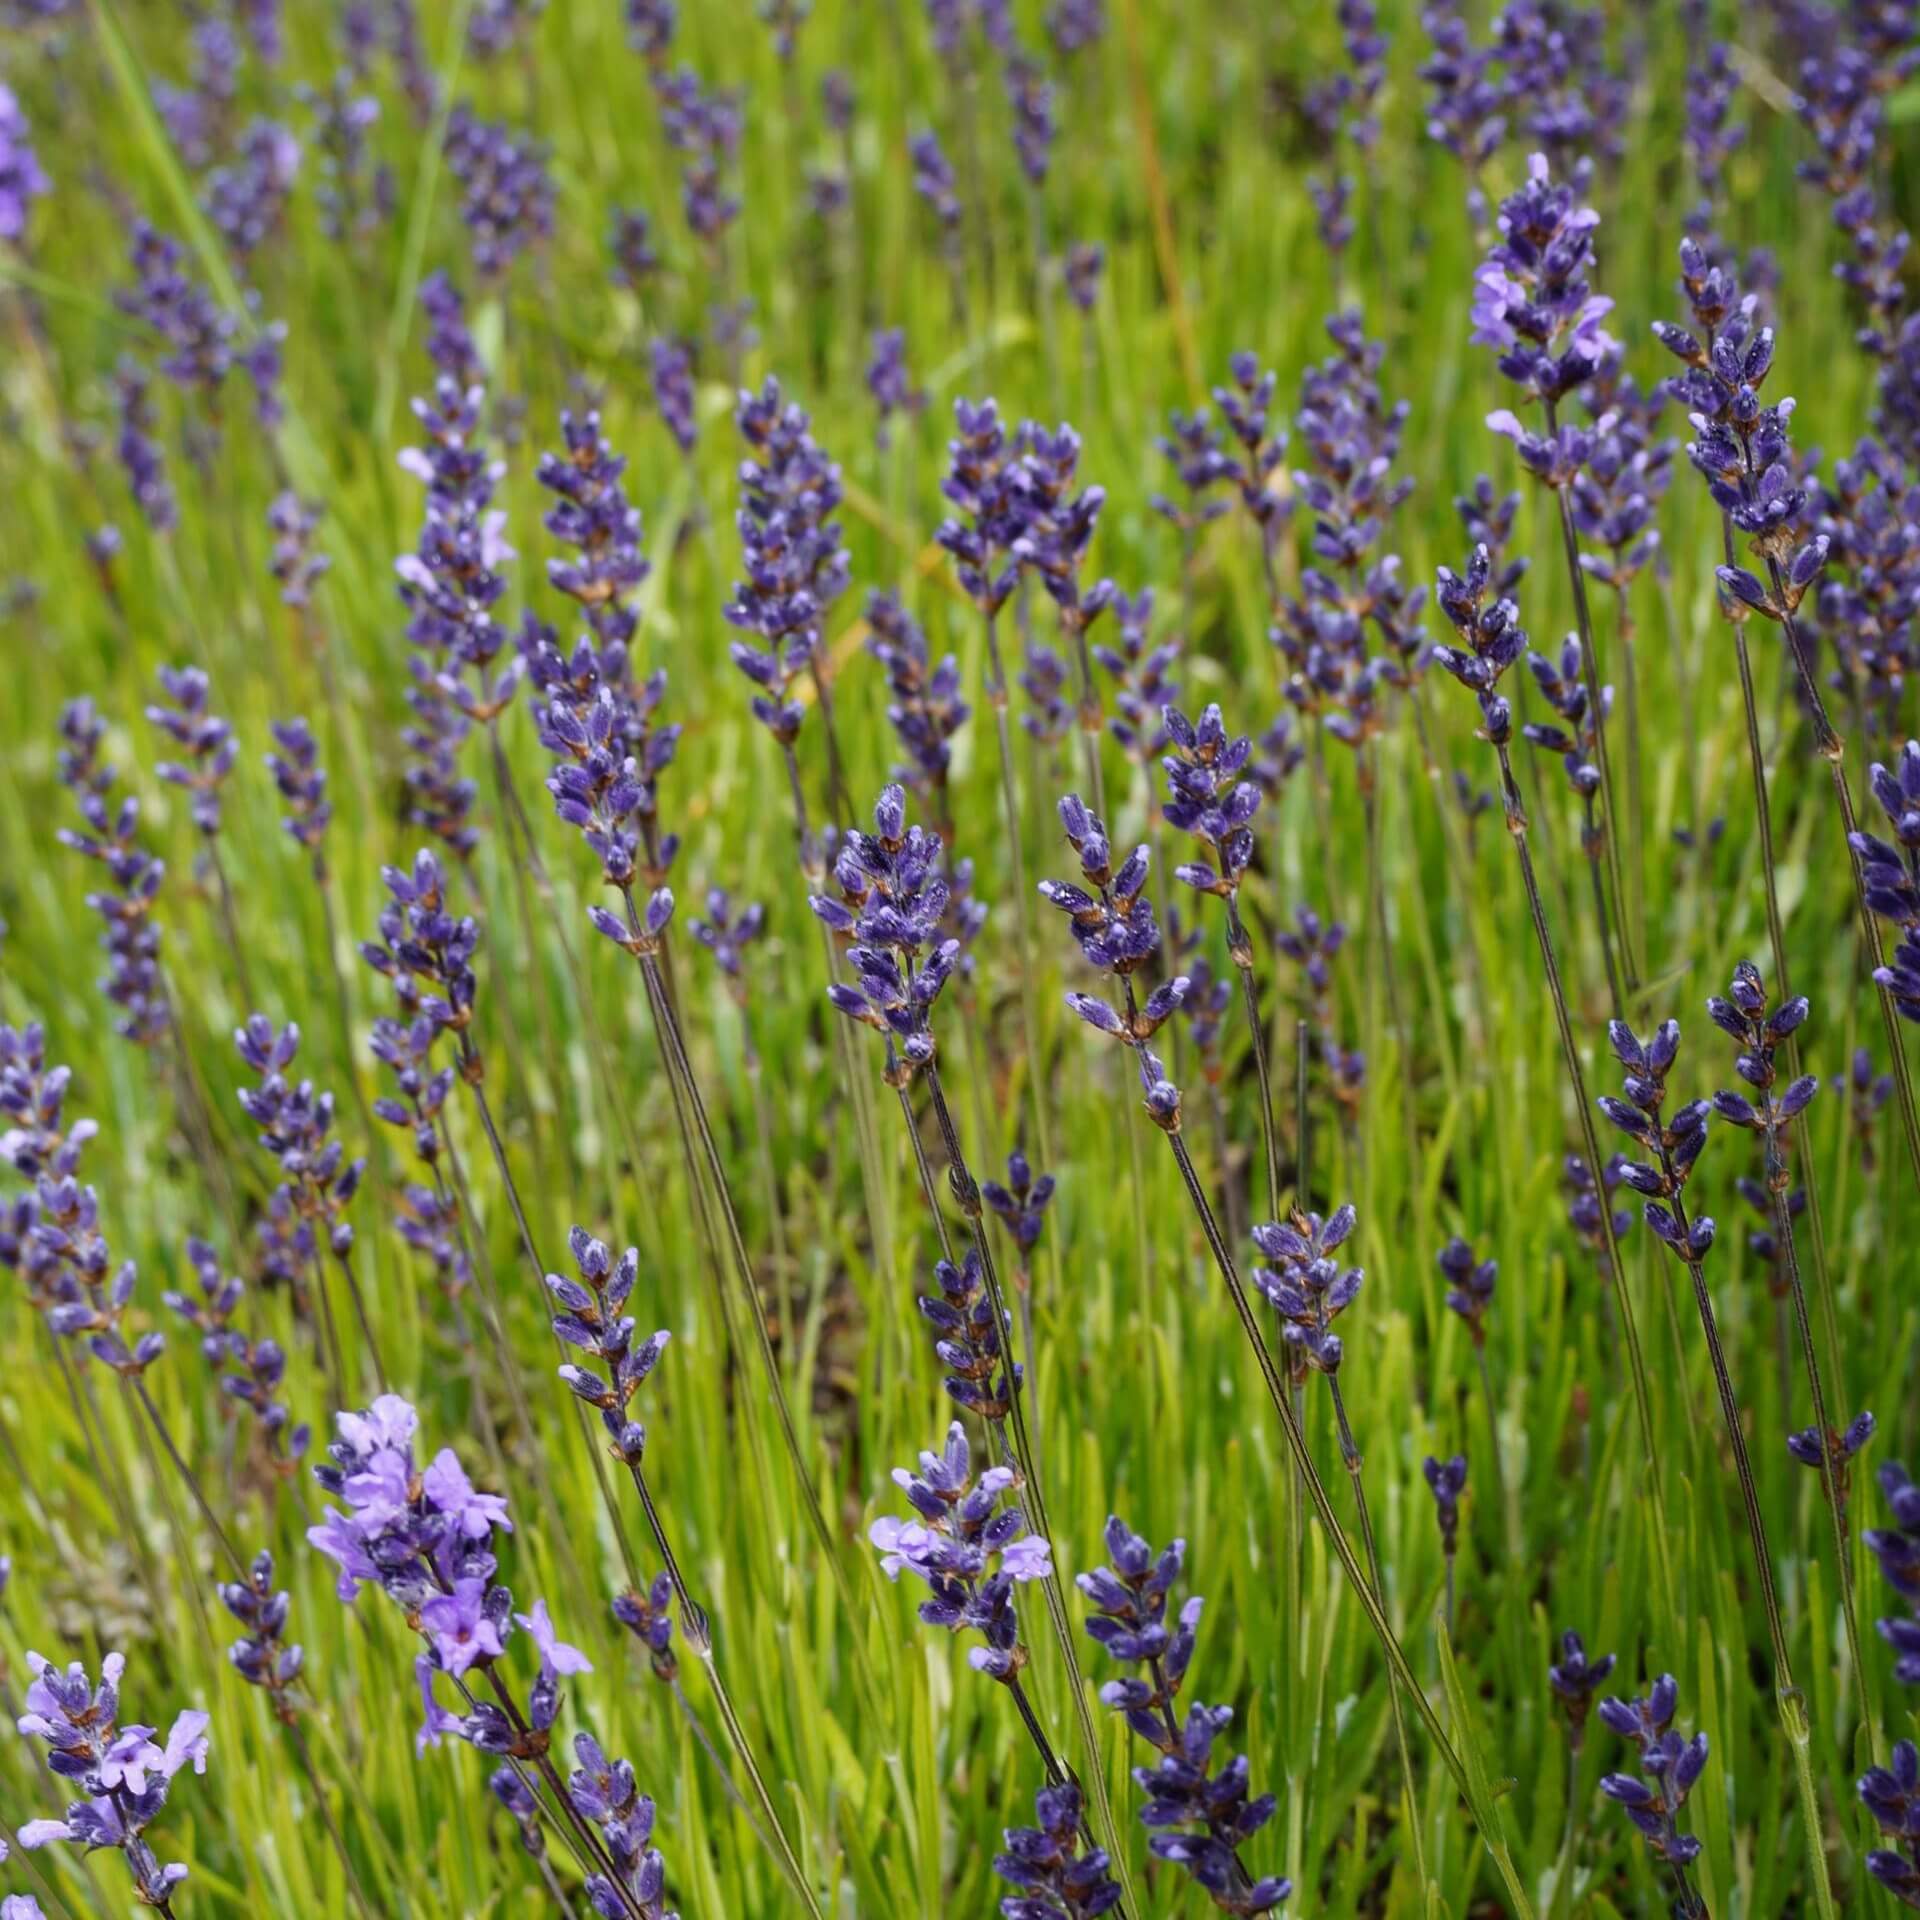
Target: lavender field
<point x="843" y="839"/>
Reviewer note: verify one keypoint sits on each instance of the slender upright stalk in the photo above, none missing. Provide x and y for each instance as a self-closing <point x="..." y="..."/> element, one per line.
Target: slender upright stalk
<point x="1399" y="1668"/>
<point x="1634" y="905"/>
<point x="1576" y="1075"/>
<point x="697" y="1631"/>
<point x="1776" y="1170"/>
<point x="1832" y="749"/>
<point x="1350" y="1458"/>
<point x="1590" y="840"/>
<point x="1023" y="904"/>
<point x="1590" y="668"/>
<point x="1240" y="951"/>
<point x="966" y="1190"/>
<point x="1787" y="1695"/>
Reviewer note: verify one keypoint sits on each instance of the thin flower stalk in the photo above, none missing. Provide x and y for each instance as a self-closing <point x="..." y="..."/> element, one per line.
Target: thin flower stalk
<point x="1308" y="1289"/>
<point x="1494" y="642"/>
<point x="1674" y="1141"/>
<point x="1743" y="451"/>
<point x="981" y="483"/>
<point x="1759" y="1034"/>
<point x="1113" y="925"/>
<point x="895" y="896"/>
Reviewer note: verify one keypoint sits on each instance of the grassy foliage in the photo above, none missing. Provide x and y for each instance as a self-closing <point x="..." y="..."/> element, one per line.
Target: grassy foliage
<point x="894" y="1766"/>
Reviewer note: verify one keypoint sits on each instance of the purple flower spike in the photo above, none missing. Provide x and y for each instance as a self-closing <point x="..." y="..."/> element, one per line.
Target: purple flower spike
<point x="968" y="1549"/>
<point x="1669" y="1767"/>
<point x="206" y="740"/>
<point x="125" y="1773"/>
<point x="1306" y="1286"/>
<point x="1531" y="299"/>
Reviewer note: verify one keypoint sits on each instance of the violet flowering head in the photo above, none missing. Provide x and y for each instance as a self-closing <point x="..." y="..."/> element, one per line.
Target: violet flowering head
<point x="1306" y="1286"/>
<point x="605" y="1792"/>
<point x="1035" y="123"/>
<point x="1743" y="448"/>
<point x="1447" y="1481"/>
<point x="1890" y="869"/>
<point x="1113" y="924"/>
<point x="1082" y="268"/>
<point x="671" y="370"/>
<point x="1488" y="518"/>
<point x="650" y="28"/>
<point x="1897" y="1548"/>
<point x="423" y="948"/>
<point x="1192" y="446"/>
<point x="1055" y="1878"/>
<point x="1043" y="679"/>
<point x="1129" y="1598"/>
<point x="934" y="182"/>
<point x="1022" y="1203"/>
<point x="1470" y="1285"/>
<point x="1672" y="1140"/>
<point x="1654" y="1798"/>
<point x="1744" y="1017"/>
<point x="1532" y="300"/>
<point x="22" y="179"/>
<point x="888" y="380"/>
<point x="1575" y="1679"/>
<point x="1491" y="635"/>
<point x="302" y="783"/>
<point x="1808" y="1447"/>
<point x="648" y="1617"/>
<point x="354" y="197"/>
<point x="1867" y="1094"/>
<point x="703" y="126"/>
<point x="413" y="1533"/>
<point x="51" y="1236"/>
<point x="969" y="1340"/>
<point x="205" y="740"/>
<point x="982" y="481"/>
<point x="837" y="100"/>
<point x="1139" y="669"/>
<point x="926" y="709"/>
<point x="34" y="1135"/>
<point x="125" y="1773"/>
<point x="1245" y="403"/>
<point x="246" y="196"/>
<point x="195" y="333"/>
<point x="1625" y="474"/>
<point x="1562" y="684"/>
<point x="1199" y="1819"/>
<point x="262" y="1656"/>
<point x="108" y="833"/>
<point x="295" y="1120"/>
<point x="506" y="193"/>
<point x="1892" y="1795"/>
<point x="593" y="516"/>
<point x="631" y="249"/>
<point x="1058" y="524"/>
<point x="1584" y="1201"/>
<point x="450" y="344"/>
<point x="1465" y="114"/>
<point x="296" y="564"/>
<point x="791" y="555"/>
<point x="1207" y="799"/>
<point x="970" y="1551"/>
<point x="1207" y="1005"/>
<point x="590" y="1317"/>
<point x="727" y="933"/>
<point x="894" y="895"/>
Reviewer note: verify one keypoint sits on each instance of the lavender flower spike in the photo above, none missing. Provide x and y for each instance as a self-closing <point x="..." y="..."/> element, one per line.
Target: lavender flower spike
<point x="125" y="1775"/>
